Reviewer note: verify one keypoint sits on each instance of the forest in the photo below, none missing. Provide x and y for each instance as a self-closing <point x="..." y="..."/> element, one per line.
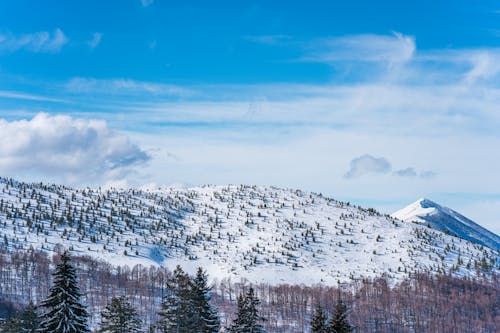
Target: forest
<point x="421" y="303"/>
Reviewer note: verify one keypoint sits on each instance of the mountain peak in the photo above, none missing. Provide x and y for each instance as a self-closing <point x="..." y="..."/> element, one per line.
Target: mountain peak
<point x="447" y="220"/>
<point x="414" y="211"/>
<point x="427" y="203"/>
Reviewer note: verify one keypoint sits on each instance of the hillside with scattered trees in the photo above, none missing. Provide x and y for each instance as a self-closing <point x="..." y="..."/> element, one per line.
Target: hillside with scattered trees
<point x="262" y="234"/>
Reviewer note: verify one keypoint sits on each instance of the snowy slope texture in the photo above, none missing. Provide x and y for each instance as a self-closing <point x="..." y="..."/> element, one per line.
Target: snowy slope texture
<point x="449" y="221"/>
<point x="261" y="234"/>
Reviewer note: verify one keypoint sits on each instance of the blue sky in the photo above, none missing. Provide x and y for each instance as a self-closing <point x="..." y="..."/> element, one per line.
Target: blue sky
<point x="379" y="103"/>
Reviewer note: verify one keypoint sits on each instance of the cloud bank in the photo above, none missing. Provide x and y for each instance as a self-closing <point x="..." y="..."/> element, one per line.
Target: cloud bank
<point x="79" y="150"/>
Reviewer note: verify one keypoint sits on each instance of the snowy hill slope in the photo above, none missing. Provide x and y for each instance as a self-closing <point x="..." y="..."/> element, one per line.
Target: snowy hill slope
<point x="449" y="221"/>
<point x="263" y="234"/>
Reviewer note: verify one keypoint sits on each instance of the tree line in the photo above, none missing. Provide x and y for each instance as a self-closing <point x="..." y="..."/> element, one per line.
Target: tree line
<point x="186" y="308"/>
<point x="422" y="303"/>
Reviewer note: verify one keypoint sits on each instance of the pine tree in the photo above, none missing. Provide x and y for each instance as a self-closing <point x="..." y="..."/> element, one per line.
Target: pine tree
<point x="239" y="322"/>
<point x="177" y="310"/>
<point x="339" y="322"/>
<point x="206" y="317"/>
<point x="247" y="318"/>
<point x="24" y="322"/>
<point x="29" y="319"/>
<point x="120" y="316"/>
<point x="253" y="314"/>
<point x="11" y="325"/>
<point x="65" y="313"/>
<point x="318" y="320"/>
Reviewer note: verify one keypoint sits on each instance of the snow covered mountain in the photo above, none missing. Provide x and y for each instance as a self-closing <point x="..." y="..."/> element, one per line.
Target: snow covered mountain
<point x="449" y="221"/>
<point x="262" y="234"/>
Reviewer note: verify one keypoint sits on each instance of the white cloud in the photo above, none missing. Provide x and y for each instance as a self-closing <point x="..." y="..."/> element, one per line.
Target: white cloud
<point x="269" y="39"/>
<point x="78" y="150"/>
<point x="472" y="66"/>
<point x="391" y="108"/>
<point x="24" y="96"/>
<point x="484" y="65"/>
<point x="390" y="49"/>
<point x="146" y="3"/>
<point x="95" y="41"/>
<point x="367" y="164"/>
<point x="123" y="86"/>
<point x="389" y="53"/>
<point x="42" y="41"/>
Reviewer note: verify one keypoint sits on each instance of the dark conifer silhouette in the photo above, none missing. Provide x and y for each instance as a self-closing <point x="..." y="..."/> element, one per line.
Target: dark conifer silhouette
<point x="177" y="311"/>
<point x="65" y="312"/>
<point x="339" y="322"/>
<point x="24" y="322"/>
<point x="319" y="320"/>
<point x="247" y="318"/>
<point x="120" y="316"/>
<point x="206" y="317"/>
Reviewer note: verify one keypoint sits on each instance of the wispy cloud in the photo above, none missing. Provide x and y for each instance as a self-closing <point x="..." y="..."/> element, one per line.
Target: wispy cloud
<point x="393" y="56"/>
<point x="390" y="49"/>
<point x="268" y="39"/>
<point x="484" y="65"/>
<point x="428" y="110"/>
<point x="31" y="97"/>
<point x="146" y="3"/>
<point x="42" y="41"/>
<point x="95" y="41"/>
<point x="470" y="66"/>
<point x="124" y="86"/>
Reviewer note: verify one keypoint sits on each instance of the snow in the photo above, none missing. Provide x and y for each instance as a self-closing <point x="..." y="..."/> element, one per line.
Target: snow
<point x="447" y="220"/>
<point x="253" y="233"/>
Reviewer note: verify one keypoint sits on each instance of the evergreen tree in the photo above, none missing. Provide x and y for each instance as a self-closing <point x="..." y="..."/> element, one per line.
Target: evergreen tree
<point x="254" y="318"/>
<point x="65" y="313"/>
<point x="318" y="320"/>
<point x="24" y="322"/>
<point x="29" y="319"/>
<point x="206" y="317"/>
<point x="239" y="322"/>
<point x="11" y="325"/>
<point x="177" y="312"/>
<point x="120" y="316"/>
<point x="339" y="322"/>
<point x="247" y="318"/>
